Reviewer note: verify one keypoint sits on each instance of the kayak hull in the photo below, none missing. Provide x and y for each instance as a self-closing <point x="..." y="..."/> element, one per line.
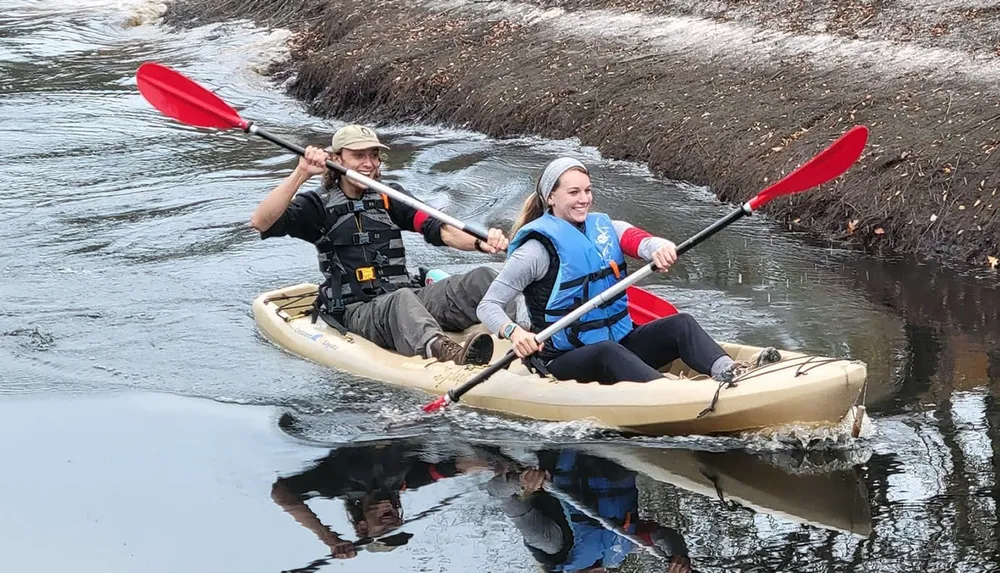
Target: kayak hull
<point x="799" y="389"/>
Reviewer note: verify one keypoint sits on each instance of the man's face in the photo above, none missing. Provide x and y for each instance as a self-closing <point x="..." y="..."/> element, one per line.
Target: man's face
<point x="380" y="518"/>
<point x="364" y="161"/>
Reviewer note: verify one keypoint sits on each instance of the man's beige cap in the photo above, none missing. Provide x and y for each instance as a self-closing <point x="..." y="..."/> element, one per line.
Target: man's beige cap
<point x="354" y="137"/>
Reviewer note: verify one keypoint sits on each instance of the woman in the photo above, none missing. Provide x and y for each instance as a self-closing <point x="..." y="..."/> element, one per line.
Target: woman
<point x="563" y="255"/>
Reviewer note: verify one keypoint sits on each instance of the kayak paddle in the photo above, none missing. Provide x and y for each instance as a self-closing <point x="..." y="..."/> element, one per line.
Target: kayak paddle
<point x="825" y="166"/>
<point x="181" y="98"/>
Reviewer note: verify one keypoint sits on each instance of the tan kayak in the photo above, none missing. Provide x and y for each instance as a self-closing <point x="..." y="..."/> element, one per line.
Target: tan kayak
<point x="799" y="389"/>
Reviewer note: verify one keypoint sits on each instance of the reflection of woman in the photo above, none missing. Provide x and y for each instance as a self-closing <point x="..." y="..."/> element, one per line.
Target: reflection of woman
<point x="369" y="479"/>
<point x="559" y="535"/>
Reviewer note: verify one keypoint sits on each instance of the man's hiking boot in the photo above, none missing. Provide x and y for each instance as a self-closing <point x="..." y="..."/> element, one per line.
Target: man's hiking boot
<point x="477" y="350"/>
<point x="768" y="355"/>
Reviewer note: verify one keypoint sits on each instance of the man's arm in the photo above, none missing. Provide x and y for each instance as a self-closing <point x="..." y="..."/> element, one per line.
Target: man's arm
<point x="276" y="202"/>
<point x="287" y="499"/>
<point x="438" y="233"/>
<point x="496" y="241"/>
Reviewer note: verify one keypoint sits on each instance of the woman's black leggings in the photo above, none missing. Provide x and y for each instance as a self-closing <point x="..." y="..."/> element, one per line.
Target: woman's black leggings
<point x="641" y="353"/>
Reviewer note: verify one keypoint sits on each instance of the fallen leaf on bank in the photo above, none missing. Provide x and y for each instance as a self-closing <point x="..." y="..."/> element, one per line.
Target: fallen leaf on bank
<point x="992" y="261"/>
<point x="879" y="231"/>
<point x="933" y="218"/>
<point x="851" y="226"/>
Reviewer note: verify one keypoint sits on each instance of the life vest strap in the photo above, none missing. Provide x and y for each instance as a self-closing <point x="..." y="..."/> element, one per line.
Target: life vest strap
<point x="600" y="323"/>
<point x="365" y="274"/>
<point x="332" y="313"/>
<point x="560" y="312"/>
<point x="591" y="277"/>
<point x="357" y="206"/>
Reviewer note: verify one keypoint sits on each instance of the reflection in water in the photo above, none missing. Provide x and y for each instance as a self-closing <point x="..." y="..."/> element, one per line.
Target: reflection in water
<point x="948" y="339"/>
<point x="368" y="478"/>
<point x="576" y="507"/>
<point x="591" y="523"/>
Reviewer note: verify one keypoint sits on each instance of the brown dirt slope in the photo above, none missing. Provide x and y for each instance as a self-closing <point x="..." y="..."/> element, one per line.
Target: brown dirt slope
<point x="731" y="93"/>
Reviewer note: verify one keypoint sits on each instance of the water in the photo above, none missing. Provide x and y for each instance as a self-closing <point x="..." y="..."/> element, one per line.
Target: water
<point x="151" y="419"/>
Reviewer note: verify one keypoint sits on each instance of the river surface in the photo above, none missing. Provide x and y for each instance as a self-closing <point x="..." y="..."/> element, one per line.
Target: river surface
<point x="147" y="425"/>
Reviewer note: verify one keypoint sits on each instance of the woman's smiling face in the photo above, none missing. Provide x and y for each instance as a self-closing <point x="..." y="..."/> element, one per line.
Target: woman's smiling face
<point x="571" y="198"/>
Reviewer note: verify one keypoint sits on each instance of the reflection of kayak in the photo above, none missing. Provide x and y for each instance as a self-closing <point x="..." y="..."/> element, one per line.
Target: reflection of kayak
<point x="835" y="500"/>
<point x="800" y="388"/>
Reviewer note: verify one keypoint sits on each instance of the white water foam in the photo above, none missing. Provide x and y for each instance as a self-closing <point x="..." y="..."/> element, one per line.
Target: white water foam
<point x="739" y="43"/>
<point x="138" y="11"/>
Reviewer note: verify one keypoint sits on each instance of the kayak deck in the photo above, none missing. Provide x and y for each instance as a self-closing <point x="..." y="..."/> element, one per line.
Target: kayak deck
<point x="799" y="389"/>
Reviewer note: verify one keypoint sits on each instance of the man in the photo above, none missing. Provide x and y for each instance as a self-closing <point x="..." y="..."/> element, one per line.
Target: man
<point x="369" y="478"/>
<point x="356" y="232"/>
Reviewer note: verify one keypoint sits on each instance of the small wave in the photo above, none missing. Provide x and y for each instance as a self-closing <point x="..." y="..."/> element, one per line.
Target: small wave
<point x="476" y="423"/>
<point x="812" y="437"/>
<point x="144" y="12"/>
<point x="32" y="338"/>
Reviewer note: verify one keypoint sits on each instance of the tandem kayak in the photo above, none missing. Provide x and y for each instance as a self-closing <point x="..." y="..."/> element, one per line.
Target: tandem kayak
<point x="800" y="389"/>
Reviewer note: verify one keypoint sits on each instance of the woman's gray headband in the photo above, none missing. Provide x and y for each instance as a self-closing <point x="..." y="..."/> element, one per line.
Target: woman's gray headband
<point x="553" y="171"/>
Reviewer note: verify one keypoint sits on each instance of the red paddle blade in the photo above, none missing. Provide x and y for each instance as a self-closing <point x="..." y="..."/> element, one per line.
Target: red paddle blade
<point x="182" y="99"/>
<point x="826" y="166"/>
<point x="644" y="306"/>
<point x="436" y="405"/>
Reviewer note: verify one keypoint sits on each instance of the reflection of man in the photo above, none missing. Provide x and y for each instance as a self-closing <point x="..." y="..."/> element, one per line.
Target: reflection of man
<point x="369" y="478"/>
<point x="560" y="536"/>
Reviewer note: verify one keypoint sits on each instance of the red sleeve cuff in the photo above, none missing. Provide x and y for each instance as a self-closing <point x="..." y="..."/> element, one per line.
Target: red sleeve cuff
<point x="630" y="241"/>
<point x="418" y="221"/>
<point x="435" y="474"/>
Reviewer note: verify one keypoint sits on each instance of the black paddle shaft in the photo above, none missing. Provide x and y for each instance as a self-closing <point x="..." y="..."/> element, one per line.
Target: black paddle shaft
<point x="455" y="393"/>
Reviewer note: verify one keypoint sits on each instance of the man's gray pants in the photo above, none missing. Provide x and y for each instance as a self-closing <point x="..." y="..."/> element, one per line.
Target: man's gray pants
<point x="405" y="320"/>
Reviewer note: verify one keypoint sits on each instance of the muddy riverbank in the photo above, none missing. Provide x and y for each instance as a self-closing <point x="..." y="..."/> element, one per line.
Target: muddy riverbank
<point x="729" y="94"/>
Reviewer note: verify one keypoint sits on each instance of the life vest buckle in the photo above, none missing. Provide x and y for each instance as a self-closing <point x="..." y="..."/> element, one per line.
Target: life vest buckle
<point x="365" y="274"/>
<point x="361" y="238"/>
<point x="380" y="260"/>
<point x="355" y="206"/>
